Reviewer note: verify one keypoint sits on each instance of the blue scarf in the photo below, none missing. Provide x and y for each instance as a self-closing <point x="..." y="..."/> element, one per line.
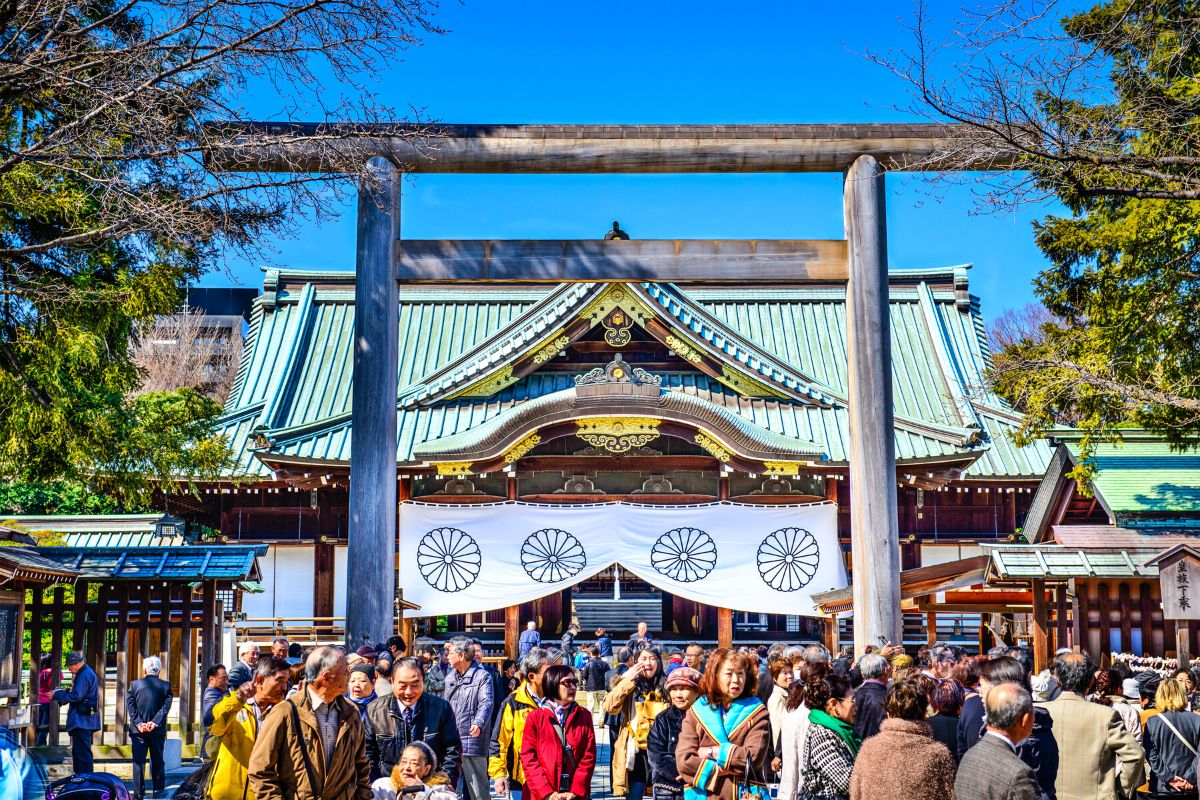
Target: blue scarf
<point x="720" y="725"/>
<point x="362" y="704"/>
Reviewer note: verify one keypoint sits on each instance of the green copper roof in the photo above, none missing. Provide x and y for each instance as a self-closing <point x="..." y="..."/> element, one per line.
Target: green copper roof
<point x="294" y="384"/>
<point x="1144" y="475"/>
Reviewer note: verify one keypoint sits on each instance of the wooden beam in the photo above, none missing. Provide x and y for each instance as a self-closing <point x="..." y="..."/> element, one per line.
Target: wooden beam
<point x="187" y="669"/>
<point x="831" y="634"/>
<point x="211" y="626"/>
<point x="35" y="645"/>
<point x="724" y="627"/>
<point x="121" y="714"/>
<point x="579" y="149"/>
<point x="512" y="630"/>
<point x="677" y="261"/>
<point x="372" y="535"/>
<point x="1147" y="619"/>
<point x="1041" y="629"/>
<point x="874" y="531"/>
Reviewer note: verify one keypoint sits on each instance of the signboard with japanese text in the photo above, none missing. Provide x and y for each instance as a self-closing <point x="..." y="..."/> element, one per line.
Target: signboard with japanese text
<point x="1181" y="588"/>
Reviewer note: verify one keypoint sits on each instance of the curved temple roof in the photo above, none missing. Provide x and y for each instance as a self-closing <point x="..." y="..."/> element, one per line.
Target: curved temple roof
<point x="769" y="362"/>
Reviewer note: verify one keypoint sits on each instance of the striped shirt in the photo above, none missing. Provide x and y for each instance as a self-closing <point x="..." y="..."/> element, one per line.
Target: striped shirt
<point x="328" y="722"/>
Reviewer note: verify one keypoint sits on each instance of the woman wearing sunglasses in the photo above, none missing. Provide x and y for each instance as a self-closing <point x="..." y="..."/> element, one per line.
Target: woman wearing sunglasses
<point x="558" y="748"/>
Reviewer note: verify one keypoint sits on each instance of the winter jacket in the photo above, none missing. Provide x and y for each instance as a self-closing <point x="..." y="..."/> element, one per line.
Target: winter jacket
<point x="605" y="644"/>
<point x="660" y="749"/>
<point x="1168" y="756"/>
<point x="544" y="760"/>
<point x="593" y="675"/>
<point x="903" y="760"/>
<point x="528" y="640"/>
<point x="623" y="699"/>
<point x="749" y="746"/>
<point x="432" y="722"/>
<point x="470" y="698"/>
<point x="435" y="680"/>
<point x="277" y="765"/>
<point x="235" y="724"/>
<point x="84" y="697"/>
<point x="504" y="754"/>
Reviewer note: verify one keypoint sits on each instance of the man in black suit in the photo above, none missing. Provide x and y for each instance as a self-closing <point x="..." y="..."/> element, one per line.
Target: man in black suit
<point x="991" y="769"/>
<point x="148" y="702"/>
<point x="870" y="698"/>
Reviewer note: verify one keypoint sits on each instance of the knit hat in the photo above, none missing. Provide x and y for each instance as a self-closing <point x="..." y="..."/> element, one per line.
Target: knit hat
<point x="366" y="651"/>
<point x="1044" y="686"/>
<point x="684" y="676"/>
<point x="365" y="669"/>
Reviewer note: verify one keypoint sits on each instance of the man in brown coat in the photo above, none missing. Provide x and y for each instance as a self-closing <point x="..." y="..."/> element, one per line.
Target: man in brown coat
<point x="1098" y="758"/>
<point x="311" y="747"/>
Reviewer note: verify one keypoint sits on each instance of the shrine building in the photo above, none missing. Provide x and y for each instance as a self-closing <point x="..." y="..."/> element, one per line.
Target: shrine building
<point x="518" y="400"/>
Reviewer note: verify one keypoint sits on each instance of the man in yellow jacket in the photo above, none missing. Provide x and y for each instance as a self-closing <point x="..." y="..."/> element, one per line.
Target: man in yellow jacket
<point x="236" y="720"/>
<point x="504" y="761"/>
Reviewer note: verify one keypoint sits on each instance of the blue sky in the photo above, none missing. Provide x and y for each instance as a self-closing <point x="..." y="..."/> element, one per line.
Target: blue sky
<point x="669" y="62"/>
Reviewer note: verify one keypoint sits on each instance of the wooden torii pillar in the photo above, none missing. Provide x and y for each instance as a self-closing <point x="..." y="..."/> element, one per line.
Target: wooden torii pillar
<point x="857" y="151"/>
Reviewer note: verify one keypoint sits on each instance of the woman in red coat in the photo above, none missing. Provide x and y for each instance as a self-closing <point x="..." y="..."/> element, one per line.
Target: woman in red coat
<point x="554" y="771"/>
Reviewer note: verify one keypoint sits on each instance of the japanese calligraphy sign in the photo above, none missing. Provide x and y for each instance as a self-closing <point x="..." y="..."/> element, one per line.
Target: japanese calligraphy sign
<point x="1180" y="582"/>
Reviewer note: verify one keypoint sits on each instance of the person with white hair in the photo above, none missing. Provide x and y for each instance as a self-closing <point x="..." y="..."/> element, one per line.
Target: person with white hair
<point x="242" y="672"/>
<point x="148" y="701"/>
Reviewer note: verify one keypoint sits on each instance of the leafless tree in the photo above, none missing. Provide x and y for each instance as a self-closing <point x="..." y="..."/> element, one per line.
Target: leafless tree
<point x="1017" y="325"/>
<point x="189" y="350"/>
<point x="1035" y="96"/>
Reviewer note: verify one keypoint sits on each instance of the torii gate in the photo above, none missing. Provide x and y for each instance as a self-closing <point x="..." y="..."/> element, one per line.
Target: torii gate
<point x="860" y="152"/>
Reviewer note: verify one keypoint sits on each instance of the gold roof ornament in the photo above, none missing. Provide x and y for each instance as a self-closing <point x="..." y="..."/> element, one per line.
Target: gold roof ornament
<point x="617" y="434"/>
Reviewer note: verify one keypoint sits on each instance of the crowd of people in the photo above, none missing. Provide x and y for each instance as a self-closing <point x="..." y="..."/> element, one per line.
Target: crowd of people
<point x="735" y="724"/>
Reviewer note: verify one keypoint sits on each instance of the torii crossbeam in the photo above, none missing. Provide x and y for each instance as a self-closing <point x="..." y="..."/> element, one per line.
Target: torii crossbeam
<point x="861" y="152"/>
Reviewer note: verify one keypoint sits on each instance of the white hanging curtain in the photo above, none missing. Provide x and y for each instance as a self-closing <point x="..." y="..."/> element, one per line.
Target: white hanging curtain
<point x="766" y="559"/>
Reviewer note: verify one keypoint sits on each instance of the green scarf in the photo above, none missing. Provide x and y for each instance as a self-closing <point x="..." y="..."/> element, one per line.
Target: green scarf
<point x="844" y="730"/>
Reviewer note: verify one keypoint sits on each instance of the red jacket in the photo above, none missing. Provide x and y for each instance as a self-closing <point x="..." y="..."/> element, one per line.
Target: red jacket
<point x="542" y="755"/>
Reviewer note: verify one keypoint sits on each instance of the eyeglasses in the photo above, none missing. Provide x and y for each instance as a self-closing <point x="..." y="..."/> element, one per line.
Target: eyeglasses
<point x="568" y="682"/>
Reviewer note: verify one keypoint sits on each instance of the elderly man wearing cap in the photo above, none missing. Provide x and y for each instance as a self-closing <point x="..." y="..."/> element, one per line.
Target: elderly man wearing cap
<point x="683" y="687"/>
<point x="82" y="717"/>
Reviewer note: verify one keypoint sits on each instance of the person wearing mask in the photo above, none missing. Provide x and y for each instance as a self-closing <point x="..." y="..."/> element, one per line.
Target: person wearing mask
<point x="830" y="743"/>
<point x="83" y="719"/>
<point x="147" y="704"/>
<point x="360" y="689"/>
<point x="991" y="769"/>
<point x="558" y="748"/>
<point x="1172" y="738"/>
<point x="235" y="725"/>
<point x="903" y="759"/>
<point x="947" y="703"/>
<point x="604" y="642"/>
<point x="530" y="638"/>
<point x="311" y="747"/>
<point x="641" y="638"/>
<point x="683" y="687"/>
<point x="243" y="671"/>
<point x="1097" y="753"/>
<point x="504" y="753"/>
<point x="781" y="680"/>
<point x="48" y="680"/>
<point x="217" y="679"/>
<point x="638" y="696"/>
<point x="469" y="692"/>
<point x="870" y="697"/>
<point x="408" y="715"/>
<point x="418" y="767"/>
<point x="725" y="737"/>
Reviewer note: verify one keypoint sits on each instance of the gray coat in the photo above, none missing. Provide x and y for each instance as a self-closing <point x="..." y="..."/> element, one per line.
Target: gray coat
<point x="992" y="771"/>
<point x="470" y="698"/>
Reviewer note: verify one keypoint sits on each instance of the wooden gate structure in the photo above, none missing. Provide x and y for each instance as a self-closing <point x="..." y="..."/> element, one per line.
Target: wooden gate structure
<point x="861" y="153"/>
<point x="133" y="603"/>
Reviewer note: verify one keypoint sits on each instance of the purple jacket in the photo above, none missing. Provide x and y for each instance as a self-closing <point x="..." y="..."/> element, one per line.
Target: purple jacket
<point x="470" y="698"/>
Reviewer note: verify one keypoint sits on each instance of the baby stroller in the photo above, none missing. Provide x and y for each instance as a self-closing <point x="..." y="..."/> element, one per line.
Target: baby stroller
<point x="88" y="786"/>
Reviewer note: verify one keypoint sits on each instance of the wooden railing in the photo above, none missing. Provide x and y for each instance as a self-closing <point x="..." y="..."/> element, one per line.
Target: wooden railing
<point x="293" y="628"/>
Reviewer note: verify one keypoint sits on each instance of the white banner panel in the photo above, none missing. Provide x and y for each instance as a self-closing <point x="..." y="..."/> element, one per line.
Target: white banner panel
<point x="769" y="559"/>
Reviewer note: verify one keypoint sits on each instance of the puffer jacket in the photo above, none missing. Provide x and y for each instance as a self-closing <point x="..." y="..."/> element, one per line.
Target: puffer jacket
<point x="470" y="698"/>
<point x="504" y="754"/>
<point x="432" y="723"/>
<point x="637" y="715"/>
<point x="236" y="726"/>
<point x="277" y="766"/>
